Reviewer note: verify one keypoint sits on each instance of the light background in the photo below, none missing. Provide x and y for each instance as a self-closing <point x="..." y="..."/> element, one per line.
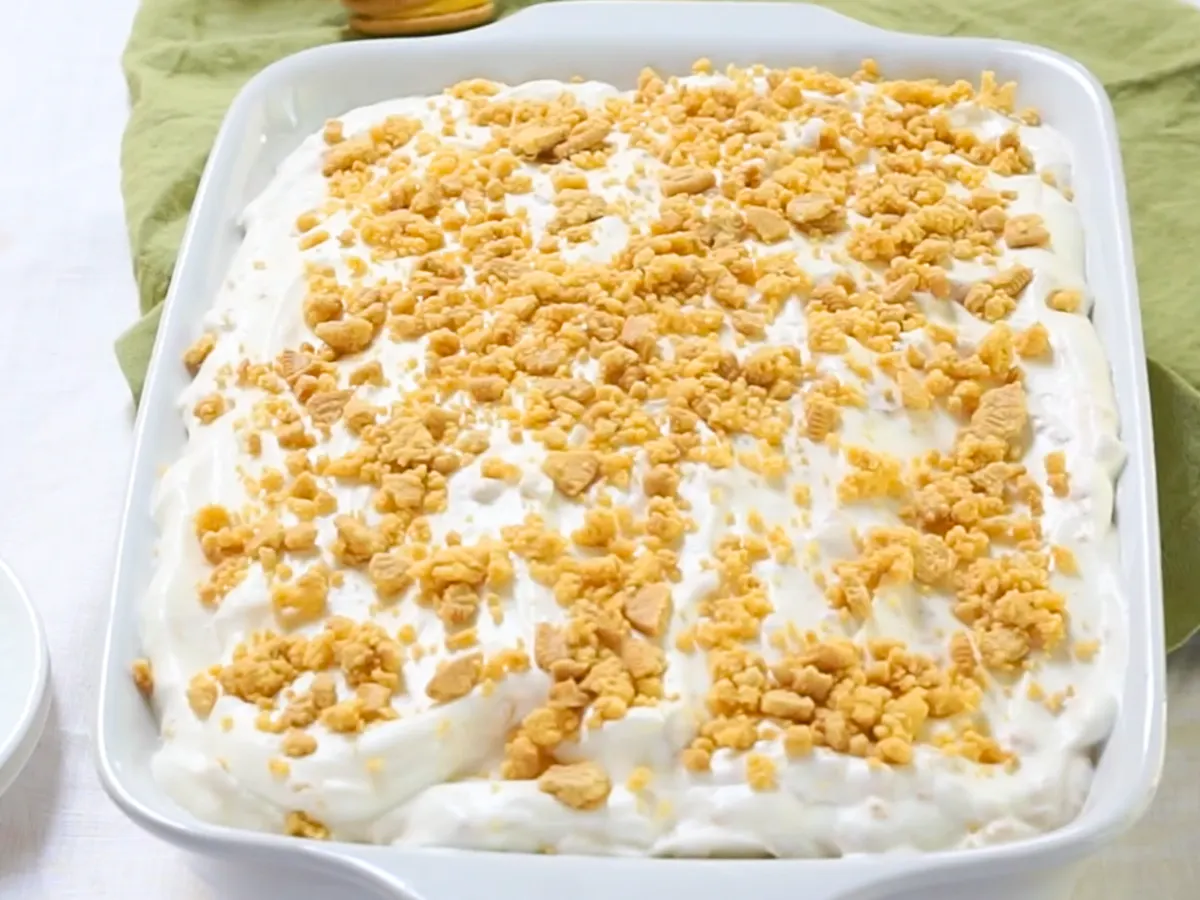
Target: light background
<point x="66" y="291"/>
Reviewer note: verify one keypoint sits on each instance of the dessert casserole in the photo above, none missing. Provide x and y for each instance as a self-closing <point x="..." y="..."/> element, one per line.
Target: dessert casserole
<point x="720" y="467"/>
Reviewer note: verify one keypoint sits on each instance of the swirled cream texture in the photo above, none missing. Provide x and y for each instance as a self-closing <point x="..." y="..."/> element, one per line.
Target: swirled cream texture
<point x="732" y="741"/>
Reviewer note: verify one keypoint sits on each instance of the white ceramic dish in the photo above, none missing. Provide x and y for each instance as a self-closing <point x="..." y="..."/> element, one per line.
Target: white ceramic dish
<point x="611" y="41"/>
<point x="24" y="678"/>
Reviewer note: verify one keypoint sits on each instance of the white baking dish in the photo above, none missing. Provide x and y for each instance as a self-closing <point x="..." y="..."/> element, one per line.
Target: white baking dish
<point x="611" y="41"/>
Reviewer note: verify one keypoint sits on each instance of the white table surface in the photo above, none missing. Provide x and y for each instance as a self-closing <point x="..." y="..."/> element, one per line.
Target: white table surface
<point x="66" y="291"/>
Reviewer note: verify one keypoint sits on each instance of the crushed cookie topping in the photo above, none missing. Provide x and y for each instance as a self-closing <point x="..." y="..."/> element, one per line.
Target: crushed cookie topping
<point x="300" y="824"/>
<point x="143" y="677"/>
<point x="609" y="383"/>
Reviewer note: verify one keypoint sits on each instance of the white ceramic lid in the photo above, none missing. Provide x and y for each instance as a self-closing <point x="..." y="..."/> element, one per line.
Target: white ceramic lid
<point x="24" y="678"/>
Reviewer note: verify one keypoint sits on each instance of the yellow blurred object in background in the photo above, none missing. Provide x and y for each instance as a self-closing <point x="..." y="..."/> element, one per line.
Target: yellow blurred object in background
<point x="398" y="17"/>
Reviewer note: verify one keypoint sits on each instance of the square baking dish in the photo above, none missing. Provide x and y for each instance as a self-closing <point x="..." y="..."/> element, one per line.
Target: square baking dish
<point x="611" y="41"/>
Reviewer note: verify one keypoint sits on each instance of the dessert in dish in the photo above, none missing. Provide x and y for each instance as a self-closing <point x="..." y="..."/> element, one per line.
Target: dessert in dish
<point x="719" y="467"/>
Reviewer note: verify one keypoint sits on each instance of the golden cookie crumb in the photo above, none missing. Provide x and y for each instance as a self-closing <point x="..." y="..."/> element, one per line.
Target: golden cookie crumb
<point x="333" y="133"/>
<point x="581" y="786"/>
<point x="1034" y="342"/>
<point x="313" y="238"/>
<point x="687" y="180"/>
<point x="1026" y="231"/>
<point x="455" y="678"/>
<point x="798" y="741"/>
<point x="347" y="336"/>
<point x="488" y="388"/>
<point x="962" y="654"/>
<point x="695" y="759"/>
<point x="768" y="225"/>
<point x="301" y="537"/>
<point x="1065" y="300"/>
<point x="300" y="824"/>
<point x="760" y="772"/>
<point x="895" y="751"/>
<point x="785" y="704"/>
<point x="572" y="471"/>
<point x="500" y="470"/>
<point x="298" y="743"/>
<point x="1056" y="473"/>
<point x="198" y="352"/>
<point x="639" y="779"/>
<point x="649" y="609"/>
<point x="210" y="408"/>
<point x="535" y="140"/>
<point x="1064" y="560"/>
<point x="202" y="695"/>
<point x="143" y="676"/>
<point x="1002" y="414"/>
<point x="809" y="209"/>
<point x="303" y="600"/>
<point x="326" y="407"/>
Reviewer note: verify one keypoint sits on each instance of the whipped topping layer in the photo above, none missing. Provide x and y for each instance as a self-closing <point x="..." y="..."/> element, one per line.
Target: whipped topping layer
<point x="721" y="467"/>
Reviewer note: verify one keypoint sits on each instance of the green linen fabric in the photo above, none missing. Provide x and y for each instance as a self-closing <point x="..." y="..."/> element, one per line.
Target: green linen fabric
<point x="187" y="58"/>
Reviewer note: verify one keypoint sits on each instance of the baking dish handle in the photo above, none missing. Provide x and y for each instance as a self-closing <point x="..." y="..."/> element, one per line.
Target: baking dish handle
<point x="428" y="874"/>
<point x="620" y="16"/>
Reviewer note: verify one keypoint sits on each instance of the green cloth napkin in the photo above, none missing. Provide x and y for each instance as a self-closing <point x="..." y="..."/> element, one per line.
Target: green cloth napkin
<point x="187" y="58"/>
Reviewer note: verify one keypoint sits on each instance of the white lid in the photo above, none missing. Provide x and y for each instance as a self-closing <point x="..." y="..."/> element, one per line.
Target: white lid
<point x="24" y="678"/>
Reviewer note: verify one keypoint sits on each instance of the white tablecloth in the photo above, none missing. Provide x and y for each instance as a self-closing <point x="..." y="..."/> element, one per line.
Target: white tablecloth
<point x="65" y="292"/>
